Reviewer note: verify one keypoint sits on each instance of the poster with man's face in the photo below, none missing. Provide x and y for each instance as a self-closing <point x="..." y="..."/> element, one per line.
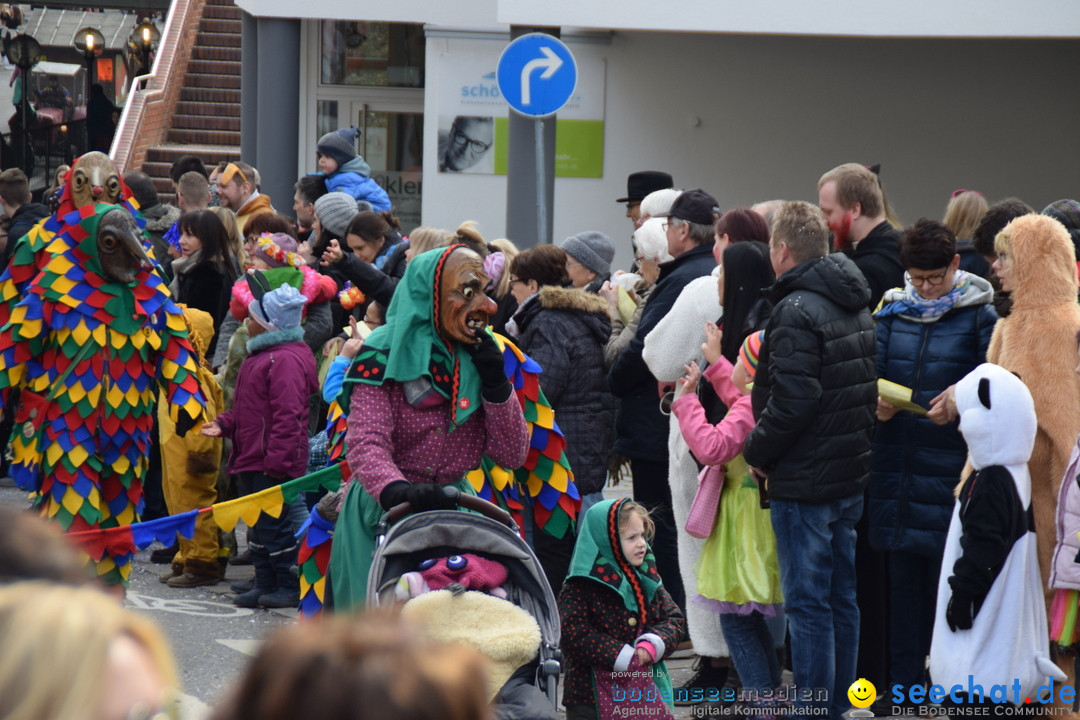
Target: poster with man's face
<point x="466" y="144"/>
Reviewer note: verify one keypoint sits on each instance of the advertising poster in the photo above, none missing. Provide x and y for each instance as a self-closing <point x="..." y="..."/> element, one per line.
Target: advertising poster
<point x="474" y="118"/>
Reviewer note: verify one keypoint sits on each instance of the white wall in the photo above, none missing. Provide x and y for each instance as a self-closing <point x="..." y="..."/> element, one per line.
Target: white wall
<point x="776" y="112"/>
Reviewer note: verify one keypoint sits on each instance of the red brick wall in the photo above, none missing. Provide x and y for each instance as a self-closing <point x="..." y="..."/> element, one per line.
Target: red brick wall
<point x="148" y="114"/>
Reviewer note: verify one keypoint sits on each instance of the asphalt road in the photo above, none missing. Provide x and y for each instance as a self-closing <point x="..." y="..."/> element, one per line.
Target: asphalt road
<point x="211" y="638"/>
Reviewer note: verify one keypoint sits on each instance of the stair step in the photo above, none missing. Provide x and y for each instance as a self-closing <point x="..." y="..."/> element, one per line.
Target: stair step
<point x="213" y="67"/>
<point x="217" y="39"/>
<point x="201" y="122"/>
<point x="218" y="54"/>
<point x="209" y="109"/>
<point x="198" y="80"/>
<point x="221" y="12"/>
<point x="221" y="3"/>
<point x="210" y="154"/>
<point x="212" y="137"/>
<point x="220" y="25"/>
<point x="211" y="95"/>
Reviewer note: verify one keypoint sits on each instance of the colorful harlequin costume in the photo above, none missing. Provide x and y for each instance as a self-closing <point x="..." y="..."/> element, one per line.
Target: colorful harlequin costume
<point x="88" y="353"/>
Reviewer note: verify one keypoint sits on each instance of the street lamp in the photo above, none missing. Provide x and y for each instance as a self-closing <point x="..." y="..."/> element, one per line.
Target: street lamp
<point x="144" y="38"/>
<point x="25" y="52"/>
<point x="90" y="42"/>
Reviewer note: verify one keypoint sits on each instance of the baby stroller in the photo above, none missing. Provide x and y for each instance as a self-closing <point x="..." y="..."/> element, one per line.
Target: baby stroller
<point x="404" y="540"/>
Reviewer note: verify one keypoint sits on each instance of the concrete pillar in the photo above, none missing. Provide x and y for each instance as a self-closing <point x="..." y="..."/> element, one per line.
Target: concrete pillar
<point x="522" y="224"/>
<point x="278" y="107"/>
<point x="249" y="66"/>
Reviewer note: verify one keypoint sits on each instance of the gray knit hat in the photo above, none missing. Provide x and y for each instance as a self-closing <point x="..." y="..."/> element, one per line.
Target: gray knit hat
<point x="335" y="211"/>
<point x="593" y="249"/>
<point x="339" y="144"/>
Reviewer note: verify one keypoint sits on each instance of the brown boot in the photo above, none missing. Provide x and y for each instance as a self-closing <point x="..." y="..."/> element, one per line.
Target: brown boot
<point x="197" y="573"/>
<point x="175" y="570"/>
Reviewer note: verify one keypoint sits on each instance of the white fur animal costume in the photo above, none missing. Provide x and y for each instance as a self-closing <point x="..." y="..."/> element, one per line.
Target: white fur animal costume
<point x="991" y="619"/>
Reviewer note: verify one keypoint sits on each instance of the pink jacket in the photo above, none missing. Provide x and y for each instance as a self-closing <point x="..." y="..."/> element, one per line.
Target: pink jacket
<point x="713" y="445"/>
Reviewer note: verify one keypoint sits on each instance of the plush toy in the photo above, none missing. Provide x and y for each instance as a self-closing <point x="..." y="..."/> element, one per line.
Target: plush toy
<point x="88" y="345"/>
<point x="467" y="570"/>
<point x="990" y="623"/>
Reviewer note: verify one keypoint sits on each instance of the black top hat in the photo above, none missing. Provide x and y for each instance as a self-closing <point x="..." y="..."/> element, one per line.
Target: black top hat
<point x="640" y="184"/>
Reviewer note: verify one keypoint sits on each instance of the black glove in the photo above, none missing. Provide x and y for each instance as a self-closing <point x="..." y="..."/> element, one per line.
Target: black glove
<point x="960" y="612"/>
<point x="488" y="359"/>
<point x="422" y="496"/>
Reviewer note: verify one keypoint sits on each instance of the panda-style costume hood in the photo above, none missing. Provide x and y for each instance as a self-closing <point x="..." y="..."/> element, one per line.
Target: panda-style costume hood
<point x="996" y="569"/>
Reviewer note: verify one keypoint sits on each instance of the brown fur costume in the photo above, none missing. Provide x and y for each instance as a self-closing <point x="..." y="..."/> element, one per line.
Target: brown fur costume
<point x="1038" y="342"/>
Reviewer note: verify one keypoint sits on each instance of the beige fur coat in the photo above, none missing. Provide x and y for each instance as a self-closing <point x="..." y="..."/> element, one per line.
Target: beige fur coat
<point x="1038" y="342"/>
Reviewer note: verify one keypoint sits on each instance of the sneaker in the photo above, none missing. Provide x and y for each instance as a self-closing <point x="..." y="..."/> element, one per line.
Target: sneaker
<point x="251" y="598"/>
<point x="243" y="558"/>
<point x="280" y="598"/>
<point x="189" y="579"/>
<point x="242" y="586"/>
<point x="706" y="680"/>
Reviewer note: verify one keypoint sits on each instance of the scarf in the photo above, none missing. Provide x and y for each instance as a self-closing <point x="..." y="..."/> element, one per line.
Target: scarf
<point x="906" y="301"/>
<point x="410" y="349"/>
<point x="598" y="556"/>
<point x="180" y="266"/>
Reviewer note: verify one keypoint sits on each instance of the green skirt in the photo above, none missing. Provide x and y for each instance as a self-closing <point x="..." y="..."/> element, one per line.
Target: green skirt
<point x="354" y="545"/>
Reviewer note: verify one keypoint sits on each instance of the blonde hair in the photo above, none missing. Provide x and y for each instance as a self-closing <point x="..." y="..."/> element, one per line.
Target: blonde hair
<point x="631" y="508"/>
<point x="56" y="640"/>
<point x="509" y="251"/>
<point x="801" y="226"/>
<point x="426" y="238"/>
<point x="855" y="184"/>
<point x="235" y="244"/>
<point x="963" y="213"/>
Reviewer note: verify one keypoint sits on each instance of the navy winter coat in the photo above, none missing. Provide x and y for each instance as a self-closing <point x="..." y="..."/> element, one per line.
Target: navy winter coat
<point x="917" y="464"/>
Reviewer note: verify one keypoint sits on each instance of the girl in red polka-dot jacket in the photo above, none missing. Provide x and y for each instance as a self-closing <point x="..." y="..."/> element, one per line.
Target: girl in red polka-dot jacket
<point x="618" y="621"/>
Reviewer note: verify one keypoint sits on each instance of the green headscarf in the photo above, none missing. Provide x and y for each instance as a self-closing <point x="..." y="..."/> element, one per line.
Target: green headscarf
<point x="409" y="345"/>
<point x="598" y="556"/>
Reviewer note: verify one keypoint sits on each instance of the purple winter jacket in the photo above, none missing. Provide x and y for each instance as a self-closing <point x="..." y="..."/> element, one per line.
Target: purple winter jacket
<point x="269" y="418"/>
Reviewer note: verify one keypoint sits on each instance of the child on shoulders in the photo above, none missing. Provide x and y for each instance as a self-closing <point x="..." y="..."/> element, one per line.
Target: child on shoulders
<point x="346" y="171"/>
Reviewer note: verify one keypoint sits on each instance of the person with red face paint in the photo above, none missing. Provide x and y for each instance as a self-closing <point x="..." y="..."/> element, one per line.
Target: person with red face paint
<point x="850" y="196"/>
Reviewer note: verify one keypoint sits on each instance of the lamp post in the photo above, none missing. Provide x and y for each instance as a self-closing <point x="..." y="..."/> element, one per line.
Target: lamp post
<point x="25" y="52"/>
<point x="91" y="43"/>
<point x="144" y="38"/>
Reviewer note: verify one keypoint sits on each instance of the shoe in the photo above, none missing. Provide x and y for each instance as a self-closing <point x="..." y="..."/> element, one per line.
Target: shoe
<point x="280" y="598"/>
<point x="189" y="579"/>
<point x="174" y="571"/>
<point x="164" y="556"/>
<point x="251" y="598"/>
<point x="706" y="681"/>
<point x="242" y="586"/>
<point x="243" y="558"/>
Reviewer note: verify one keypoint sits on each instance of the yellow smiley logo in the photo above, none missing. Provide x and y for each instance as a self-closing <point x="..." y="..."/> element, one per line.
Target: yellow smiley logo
<point x="862" y="693"/>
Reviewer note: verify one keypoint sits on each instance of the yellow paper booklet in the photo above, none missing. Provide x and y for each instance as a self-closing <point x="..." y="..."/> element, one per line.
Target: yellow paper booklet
<point x="899" y="396"/>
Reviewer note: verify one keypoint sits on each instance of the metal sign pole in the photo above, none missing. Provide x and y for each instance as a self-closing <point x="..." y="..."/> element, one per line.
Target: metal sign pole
<point x="541" y="200"/>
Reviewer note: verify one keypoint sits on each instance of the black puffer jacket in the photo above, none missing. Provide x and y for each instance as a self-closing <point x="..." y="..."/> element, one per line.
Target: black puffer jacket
<point x="565" y="330"/>
<point x="816" y="387"/>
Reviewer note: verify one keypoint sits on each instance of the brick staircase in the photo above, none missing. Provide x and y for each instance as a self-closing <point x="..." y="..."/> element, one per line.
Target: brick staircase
<point x="207" y="119"/>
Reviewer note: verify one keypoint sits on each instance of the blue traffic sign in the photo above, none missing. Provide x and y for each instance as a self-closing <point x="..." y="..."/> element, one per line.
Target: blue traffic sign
<point x="537" y="74"/>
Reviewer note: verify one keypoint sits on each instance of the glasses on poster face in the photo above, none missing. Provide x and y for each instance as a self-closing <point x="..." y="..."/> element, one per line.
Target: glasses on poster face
<point x="933" y="279"/>
<point x="461" y="138"/>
